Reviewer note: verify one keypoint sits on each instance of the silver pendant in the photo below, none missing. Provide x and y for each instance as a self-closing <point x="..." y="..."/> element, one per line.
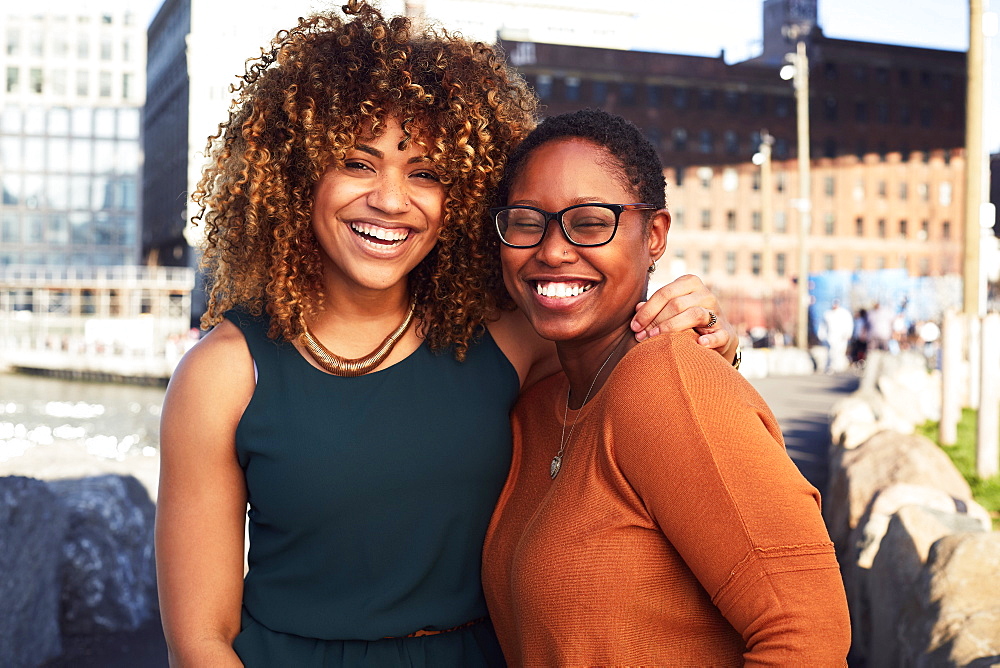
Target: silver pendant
<point x="554" y="466"/>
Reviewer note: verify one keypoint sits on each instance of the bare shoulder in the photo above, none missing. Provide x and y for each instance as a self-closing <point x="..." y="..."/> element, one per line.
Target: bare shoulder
<point x="215" y="376"/>
<point x="533" y="357"/>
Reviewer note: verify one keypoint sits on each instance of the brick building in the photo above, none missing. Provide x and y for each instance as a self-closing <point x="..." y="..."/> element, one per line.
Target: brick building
<point x="887" y="127"/>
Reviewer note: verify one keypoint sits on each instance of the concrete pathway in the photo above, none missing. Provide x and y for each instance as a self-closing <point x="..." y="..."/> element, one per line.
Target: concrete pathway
<point x="802" y="405"/>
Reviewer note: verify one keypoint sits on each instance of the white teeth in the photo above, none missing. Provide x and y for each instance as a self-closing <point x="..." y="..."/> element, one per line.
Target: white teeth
<point x="553" y="289"/>
<point x="380" y="232"/>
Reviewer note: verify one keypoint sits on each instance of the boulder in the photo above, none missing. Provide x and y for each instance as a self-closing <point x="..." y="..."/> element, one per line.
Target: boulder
<point x="954" y="615"/>
<point x="32" y="526"/>
<point x="888" y="457"/>
<point x="108" y="572"/>
<point x="888" y="585"/>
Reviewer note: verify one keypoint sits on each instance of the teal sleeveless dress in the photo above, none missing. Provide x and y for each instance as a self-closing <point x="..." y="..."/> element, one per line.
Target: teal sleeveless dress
<point x="369" y="501"/>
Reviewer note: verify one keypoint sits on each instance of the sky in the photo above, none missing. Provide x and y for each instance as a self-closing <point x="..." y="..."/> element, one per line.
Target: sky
<point x="707" y="27"/>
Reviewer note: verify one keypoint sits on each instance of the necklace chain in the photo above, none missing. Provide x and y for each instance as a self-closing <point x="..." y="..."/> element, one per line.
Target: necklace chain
<point x="557" y="460"/>
<point x="342" y="366"/>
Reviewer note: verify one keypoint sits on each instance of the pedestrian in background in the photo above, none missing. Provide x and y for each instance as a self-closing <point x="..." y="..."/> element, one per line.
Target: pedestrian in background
<point x="838" y="328"/>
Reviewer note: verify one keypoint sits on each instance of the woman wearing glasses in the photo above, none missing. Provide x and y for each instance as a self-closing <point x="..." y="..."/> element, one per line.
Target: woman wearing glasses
<point x="651" y="516"/>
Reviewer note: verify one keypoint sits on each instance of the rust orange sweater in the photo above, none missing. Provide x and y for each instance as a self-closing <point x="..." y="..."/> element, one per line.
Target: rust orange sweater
<point x="678" y="532"/>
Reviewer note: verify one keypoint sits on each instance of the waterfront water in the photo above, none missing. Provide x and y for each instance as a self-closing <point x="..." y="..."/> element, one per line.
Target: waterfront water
<point x="51" y="428"/>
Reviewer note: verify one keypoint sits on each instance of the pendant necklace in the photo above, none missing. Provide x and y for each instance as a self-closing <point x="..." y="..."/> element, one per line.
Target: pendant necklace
<point x="557" y="460"/>
<point x="341" y="366"/>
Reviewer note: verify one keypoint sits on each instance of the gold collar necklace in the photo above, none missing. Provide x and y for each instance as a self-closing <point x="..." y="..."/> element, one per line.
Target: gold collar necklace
<point x="557" y="460"/>
<point x="341" y="366"/>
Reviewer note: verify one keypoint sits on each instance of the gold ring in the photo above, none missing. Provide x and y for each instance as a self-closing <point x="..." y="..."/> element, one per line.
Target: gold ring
<point x="711" y="319"/>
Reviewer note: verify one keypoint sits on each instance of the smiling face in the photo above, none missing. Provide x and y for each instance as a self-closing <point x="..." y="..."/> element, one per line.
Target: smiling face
<point x="571" y="293"/>
<point x="377" y="215"/>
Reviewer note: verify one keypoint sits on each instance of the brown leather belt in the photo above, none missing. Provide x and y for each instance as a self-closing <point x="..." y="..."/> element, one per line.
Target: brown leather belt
<point x="431" y="632"/>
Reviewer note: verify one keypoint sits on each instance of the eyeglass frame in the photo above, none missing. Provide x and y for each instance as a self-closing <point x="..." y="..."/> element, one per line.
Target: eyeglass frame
<point x="618" y="210"/>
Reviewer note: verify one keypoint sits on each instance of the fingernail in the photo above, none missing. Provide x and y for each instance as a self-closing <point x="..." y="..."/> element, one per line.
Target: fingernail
<point x="636" y="326"/>
<point x="655" y="331"/>
<point x="640" y="335"/>
<point x="704" y="340"/>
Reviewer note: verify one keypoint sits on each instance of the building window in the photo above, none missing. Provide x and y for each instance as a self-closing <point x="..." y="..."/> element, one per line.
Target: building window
<point x="755" y="221"/>
<point x="904" y="190"/>
<point x="13" y="80"/>
<point x="653" y="95"/>
<point x="626" y="93"/>
<point x="780" y="261"/>
<point x="830" y="71"/>
<point x="677" y="220"/>
<point x="572" y="89"/>
<point x="780" y="222"/>
<point x="859" y="190"/>
<point x="923" y="191"/>
<point x="82" y="83"/>
<point x="780" y="148"/>
<point x="946" y="82"/>
<point x="706" y="262"/>
<point x="779" y="181"/>
<point x="860" y="73"/>
<point x="35" y="80"/>
<point x="829" y="223"/>
<point x="905" y="114"/>
<point x="731" y="263"/>
<point x="705" y="141"/>
<point x="83" y="46"/>
<point x="925" y="230"/>
<point x="755" y="264"/>
<point x="106" y="48"/>
<point x="543" y="86"/>
<point x="925" y="266"/>
<point x="705" y="177"/>
<point x="127" y="85"/>
<point x="679" y="177"/>
<point x="680" y="140"/>
<point x="946" y="230"/>
<point x="828" y="262"/>
<point x="881" y="75"/>
<point x="104" y="89"/>
<point x="13" y="41"/>
<point x="598" y="92"/>
<point x="731" y="100"/>
<point x="881" y="228"/>
<point x="902" y="229"/>
<point x="926" y="79"/>
<point x="859" y="262"/>
<point x="706" y="219"/>
<point x="880" y="262"/>
<point x="732" y="142"/>
<point x="881" y="189"/>
<point x="755" y="181"/>
<point x="783" y="107"/>
<point x="830" y="148"/>
<point x="730" y="179"/>
<point x="730" y="221"/>
<point x="830" y="108"/>
<point x="859" y="227"/>
<point x="904" y="78"/>
<point x="706" y="98"/>
<point x="829" y="185"/>
<point x="681" y="97"/>
<point x="882" y="112"/>
<point x="926" y="117"/>
<point x="758" y="104"/>
<point x="944" y="194"/>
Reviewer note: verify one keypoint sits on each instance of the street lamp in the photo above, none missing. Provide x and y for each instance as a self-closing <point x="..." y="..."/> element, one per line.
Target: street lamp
<point x="797" y="69"/>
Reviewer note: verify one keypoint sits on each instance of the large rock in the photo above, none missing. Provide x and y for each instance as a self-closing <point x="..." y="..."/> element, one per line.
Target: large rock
<point x="954" y="619"/>
<point x="887" y="458"/>
<point x="861" y="415"/>
<point x="32" y="526"/>
<point x="108" y="572"/>
<point x="889" y="584"/>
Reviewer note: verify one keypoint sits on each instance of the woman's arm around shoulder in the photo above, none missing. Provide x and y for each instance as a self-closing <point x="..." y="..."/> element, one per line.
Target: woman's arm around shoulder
<point x="201" y="504"/>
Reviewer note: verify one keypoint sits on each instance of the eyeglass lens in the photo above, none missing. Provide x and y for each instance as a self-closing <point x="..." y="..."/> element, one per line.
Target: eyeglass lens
<point x="589" y="225"/>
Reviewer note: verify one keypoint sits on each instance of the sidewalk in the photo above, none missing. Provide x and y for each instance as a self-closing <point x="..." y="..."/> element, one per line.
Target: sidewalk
<point x="802" y="405"/>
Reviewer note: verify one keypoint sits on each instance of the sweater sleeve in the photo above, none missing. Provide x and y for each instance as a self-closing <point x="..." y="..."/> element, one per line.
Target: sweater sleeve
<point x="705" y="456"/>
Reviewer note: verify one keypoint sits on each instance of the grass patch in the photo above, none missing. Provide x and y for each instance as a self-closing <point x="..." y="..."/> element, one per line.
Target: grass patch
<point x="963" y="454"/>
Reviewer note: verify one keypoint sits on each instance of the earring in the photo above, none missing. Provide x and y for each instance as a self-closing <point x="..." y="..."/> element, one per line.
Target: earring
<point x="652" y="267"/>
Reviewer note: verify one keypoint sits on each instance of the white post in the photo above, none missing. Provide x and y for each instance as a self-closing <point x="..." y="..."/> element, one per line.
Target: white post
<point x="988" y="429"/>
<point x="952" y="390"/>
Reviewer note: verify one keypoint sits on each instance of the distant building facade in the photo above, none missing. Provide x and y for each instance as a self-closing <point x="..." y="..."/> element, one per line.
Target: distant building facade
<point x="70" y="123"/>
<point x="886" y="131"/>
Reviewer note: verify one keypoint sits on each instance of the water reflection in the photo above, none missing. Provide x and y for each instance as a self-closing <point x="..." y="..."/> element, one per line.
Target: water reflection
<point x="106" y="420"/>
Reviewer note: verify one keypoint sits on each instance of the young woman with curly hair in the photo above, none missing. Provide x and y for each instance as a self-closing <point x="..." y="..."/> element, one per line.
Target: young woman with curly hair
<point x="345" y="200"/>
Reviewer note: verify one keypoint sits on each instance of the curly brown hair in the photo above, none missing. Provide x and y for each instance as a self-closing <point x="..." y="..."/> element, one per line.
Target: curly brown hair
<point x="299" y="108"/>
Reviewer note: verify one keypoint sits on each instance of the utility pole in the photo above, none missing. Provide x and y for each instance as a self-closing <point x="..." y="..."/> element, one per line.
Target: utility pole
<point x="798" y="70"/>
<point x="973" y="301"/>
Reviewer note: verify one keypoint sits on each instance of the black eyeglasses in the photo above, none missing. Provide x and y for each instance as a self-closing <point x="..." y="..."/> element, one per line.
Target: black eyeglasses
<point x="582" y="224"/>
